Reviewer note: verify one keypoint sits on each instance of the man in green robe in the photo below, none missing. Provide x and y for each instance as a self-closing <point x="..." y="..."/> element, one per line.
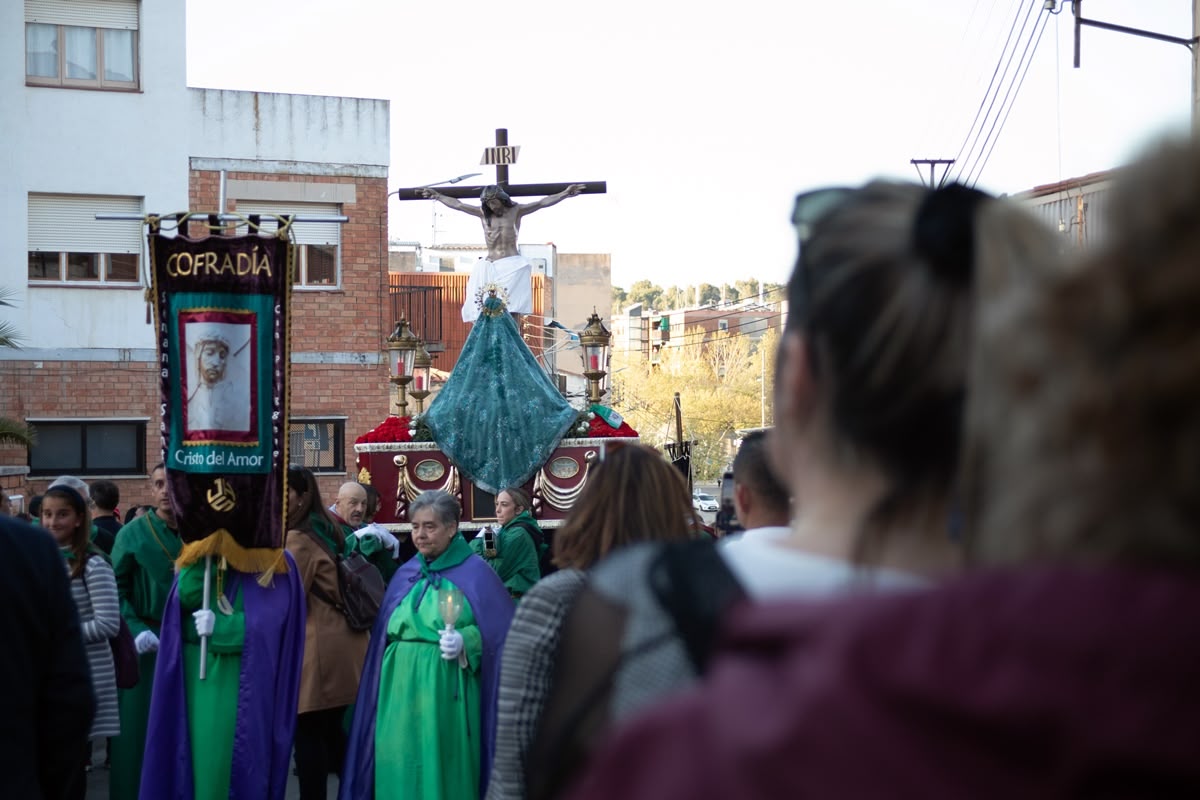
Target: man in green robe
<point x="143" y="560"/>
<point x="513" y="551"/>
<point x="376" y="544"/>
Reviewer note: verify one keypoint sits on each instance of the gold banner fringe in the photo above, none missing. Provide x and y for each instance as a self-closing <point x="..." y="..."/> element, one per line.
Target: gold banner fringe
<point x="263" y="560"/>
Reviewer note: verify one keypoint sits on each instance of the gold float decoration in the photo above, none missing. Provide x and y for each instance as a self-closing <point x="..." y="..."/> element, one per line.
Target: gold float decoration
<point x="407" y="490"/>
<point x="562" y="499"/>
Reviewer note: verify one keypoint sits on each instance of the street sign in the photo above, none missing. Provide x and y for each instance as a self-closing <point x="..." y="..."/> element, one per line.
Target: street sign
<point x="506" y="154"/>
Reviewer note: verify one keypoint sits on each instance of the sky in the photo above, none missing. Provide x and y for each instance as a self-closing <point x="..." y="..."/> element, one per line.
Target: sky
<point x="706" y="118"/>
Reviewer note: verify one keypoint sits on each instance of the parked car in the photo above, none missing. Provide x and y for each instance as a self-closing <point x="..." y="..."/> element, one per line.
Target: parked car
<point x="704" y="502"/>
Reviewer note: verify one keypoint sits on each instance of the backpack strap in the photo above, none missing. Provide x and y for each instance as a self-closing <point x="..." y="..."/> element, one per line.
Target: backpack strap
<point x="693" y="584"/>
<point x="534" y="534"/>
<point x="337" y="566"/>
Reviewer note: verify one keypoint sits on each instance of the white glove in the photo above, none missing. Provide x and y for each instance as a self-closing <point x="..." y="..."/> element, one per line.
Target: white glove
<point x="206" y="620"/>
<point x="385" y="537"/>
<point x="451" y="644"/>
<point x="146" y="642"/>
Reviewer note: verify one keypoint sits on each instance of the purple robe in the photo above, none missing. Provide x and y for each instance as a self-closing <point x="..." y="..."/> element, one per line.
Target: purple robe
<point x="268" y="693"/>
<point x="493" y="609"/>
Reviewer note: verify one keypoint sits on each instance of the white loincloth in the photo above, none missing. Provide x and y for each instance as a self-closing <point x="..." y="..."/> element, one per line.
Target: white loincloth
<point x="511" y="273"/>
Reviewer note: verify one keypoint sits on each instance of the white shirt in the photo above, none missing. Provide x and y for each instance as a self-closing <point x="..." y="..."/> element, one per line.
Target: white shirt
<point x="768" y="569"/>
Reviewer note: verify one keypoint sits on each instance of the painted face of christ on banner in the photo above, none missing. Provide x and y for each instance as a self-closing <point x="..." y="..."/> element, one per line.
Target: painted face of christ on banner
<point x="218" y="378"/>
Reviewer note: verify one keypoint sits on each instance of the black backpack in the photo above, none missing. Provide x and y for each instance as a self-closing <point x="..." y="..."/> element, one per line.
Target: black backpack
<point x="360" y="585"/>
<point x="545" y="566"/>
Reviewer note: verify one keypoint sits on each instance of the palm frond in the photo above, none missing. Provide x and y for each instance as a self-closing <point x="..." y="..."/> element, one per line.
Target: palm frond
<point x="9" y="335"/>
<point x="15" y="432"/>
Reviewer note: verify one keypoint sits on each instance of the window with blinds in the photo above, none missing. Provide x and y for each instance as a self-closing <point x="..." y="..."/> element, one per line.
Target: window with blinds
<point x="67" y="244"/>
<point x="82" y="44"/>
<point x="318" y="444"/>
<point x="318" y="244"/>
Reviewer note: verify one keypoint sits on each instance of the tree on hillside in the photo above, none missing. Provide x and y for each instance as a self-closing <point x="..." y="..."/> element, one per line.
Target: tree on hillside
<point x="618" y="301"/>
<point x="12" y="431"/>
<point x="718" y="384"/>
<point x="709" y="294"/>
<point x="644" y="292"/>
<point x="673" y="298"/>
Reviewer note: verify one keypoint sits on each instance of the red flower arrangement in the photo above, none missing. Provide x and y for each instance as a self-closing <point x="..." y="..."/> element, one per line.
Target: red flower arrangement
<point x="392" y="429"/>
<point x="599" y="429"/>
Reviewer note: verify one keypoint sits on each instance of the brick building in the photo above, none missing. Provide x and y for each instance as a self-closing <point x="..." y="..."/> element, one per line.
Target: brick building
<point x="85" y="376"/>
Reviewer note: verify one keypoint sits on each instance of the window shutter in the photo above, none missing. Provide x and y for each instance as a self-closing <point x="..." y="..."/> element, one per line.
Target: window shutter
<point x="119" y="14"/>
<point x="305" y="232"/>
<point x="68" y="224"/>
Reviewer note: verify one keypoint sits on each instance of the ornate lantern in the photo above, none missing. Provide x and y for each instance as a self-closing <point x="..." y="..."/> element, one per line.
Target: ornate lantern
<point x="402" y="349"/>
<point x="595" y="340"/>
<point x="422" y="363"/>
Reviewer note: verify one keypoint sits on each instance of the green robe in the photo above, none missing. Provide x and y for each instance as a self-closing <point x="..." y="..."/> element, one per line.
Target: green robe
<point x="145" y="569"/>
<point x="516" y="559"/>
<point x="427" y="730"/>
<point x="212" y="702"/>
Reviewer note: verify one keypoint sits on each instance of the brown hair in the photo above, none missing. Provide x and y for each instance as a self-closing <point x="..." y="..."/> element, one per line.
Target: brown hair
<point x="302" y="481"/>
<point x="633" y="495"/>
<point x="520" y="498"/>
<point x="884" y="294"/>
<point x="82" y="538"/>
<point x="1088" y="381"/>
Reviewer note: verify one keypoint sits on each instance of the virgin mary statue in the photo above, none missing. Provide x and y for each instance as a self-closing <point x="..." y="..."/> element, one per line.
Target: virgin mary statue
<point x="498" y="417"/>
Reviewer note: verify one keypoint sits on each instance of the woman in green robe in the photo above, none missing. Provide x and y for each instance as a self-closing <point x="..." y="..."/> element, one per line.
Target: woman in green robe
<point x="424" y="722"/>
<point x="515" y="550"/>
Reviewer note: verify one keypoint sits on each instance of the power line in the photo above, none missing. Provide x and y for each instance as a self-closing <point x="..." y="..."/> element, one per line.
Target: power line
<point x="729" y="303"/>
<point x="700" y="340"/>
<point x="969" y="166"/>
<point x="975" y="175"/>
<point x="1012" y="27"/>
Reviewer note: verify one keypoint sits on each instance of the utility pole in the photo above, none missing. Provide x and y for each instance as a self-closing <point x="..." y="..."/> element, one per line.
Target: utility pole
<point x="762" y="382"/>
<point x="934" y="162"/>
<point x="1190" y="43"/>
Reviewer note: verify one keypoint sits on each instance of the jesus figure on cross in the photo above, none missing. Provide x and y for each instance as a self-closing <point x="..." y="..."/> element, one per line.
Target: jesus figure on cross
<point x="504" y="265"/>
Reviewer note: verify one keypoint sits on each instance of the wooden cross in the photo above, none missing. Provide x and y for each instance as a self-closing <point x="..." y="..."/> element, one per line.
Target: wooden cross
<point x="513" y="190"/>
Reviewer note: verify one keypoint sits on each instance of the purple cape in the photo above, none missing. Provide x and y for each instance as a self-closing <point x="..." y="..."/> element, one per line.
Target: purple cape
<point x="493" y="610"/>
<point x="268" y="694"/>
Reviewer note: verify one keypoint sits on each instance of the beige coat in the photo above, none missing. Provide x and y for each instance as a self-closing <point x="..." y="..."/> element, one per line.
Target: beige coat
<point x="333" y="653"/>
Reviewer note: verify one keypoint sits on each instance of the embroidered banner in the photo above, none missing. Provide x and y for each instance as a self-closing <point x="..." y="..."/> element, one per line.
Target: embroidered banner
<point x="221" y="306"/>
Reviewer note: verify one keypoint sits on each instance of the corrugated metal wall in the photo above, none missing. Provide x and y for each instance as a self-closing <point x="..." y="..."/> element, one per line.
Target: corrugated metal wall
<point x="453" y="287"/>
<point x="1076" y="208"/>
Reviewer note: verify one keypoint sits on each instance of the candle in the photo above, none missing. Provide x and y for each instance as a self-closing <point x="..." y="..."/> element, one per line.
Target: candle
<point x="420" y="383"/>
<point x="400" y="368"/>
<point x="594" y="362"/>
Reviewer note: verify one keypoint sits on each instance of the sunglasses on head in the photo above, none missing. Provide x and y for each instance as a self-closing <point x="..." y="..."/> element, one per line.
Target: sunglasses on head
<point x="809" y="209"/>
<point x="811" y="206"/>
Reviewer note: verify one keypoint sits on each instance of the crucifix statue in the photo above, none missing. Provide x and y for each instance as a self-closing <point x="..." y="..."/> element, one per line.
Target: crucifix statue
<point x="501" y="217"/>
